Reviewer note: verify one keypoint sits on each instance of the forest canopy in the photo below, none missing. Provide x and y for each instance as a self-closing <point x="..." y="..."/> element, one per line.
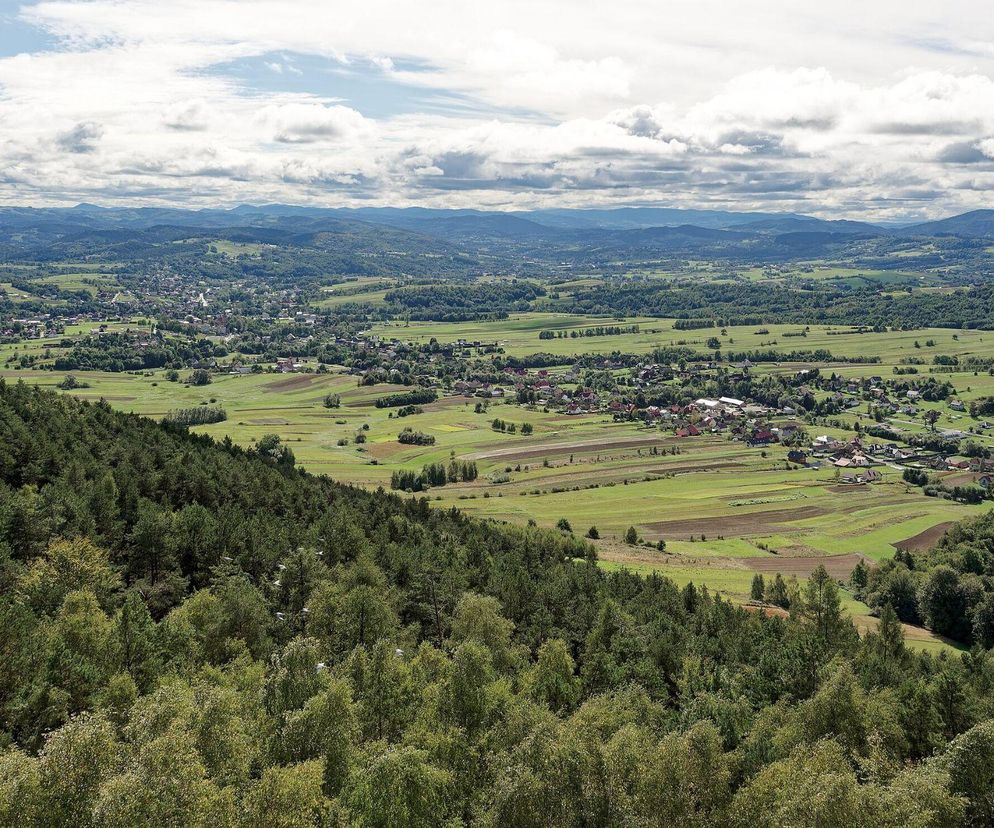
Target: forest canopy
<point x="197" y="633"/>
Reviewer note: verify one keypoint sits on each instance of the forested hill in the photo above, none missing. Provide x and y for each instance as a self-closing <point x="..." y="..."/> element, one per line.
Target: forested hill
<point x="192" y="633"/>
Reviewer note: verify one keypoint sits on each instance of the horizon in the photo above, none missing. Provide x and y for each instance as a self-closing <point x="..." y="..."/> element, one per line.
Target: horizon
<point x="885" y="223"/>
<point x="759" y="109"/>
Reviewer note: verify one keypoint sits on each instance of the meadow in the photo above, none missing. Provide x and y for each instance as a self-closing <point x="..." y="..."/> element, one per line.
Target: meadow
<point x="725" y="511"/>
<point x="519" y="335"/>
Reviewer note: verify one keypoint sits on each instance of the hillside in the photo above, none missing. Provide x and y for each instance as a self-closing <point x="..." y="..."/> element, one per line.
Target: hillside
<point x="197" y="633"/>
<point x="975" y="223"/>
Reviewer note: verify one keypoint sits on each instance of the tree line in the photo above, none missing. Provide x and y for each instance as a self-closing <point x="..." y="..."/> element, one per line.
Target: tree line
<point x="418" y="396"/>
<point x="198" y="415"/>
<point x="434" y="474"/>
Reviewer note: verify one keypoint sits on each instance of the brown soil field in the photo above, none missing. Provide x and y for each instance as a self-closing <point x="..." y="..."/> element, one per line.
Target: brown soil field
<point x="923" y="541"/>
<point x="381" y="451"/>
<point x="838" y="566"/>
<point x="290" y="383"/>
<point x="748" y="523"/>
<point x="549" y="449"/>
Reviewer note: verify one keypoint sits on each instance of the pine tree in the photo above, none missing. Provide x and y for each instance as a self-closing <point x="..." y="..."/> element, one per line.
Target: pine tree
<point x="891" y="632"/>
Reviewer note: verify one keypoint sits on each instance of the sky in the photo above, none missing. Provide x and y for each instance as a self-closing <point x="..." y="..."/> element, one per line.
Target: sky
<point x="877" y="109"/>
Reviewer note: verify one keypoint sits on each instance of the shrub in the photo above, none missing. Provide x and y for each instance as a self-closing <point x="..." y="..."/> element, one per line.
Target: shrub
<point x="200" y="415"/>
<point x="420" y="396"/>
<point x="415" y="438"/>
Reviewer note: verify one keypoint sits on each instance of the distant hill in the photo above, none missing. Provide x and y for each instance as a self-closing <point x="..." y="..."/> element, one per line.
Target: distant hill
<point x="510" y="241"/>
<point x="979" y="223"/>
<point x="634" y="218"/>
<point x="442" y="221"/>
<point x="479" y="225"/>
<point x="808" y="224"/>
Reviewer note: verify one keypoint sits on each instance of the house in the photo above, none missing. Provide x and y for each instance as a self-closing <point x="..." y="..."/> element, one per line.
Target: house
<point x="688" y="431"/>
<point x="797" y="456"/>
<point x="957" y="405"/>
<point x="467" y="387"/>
<point x="861" y="478"/>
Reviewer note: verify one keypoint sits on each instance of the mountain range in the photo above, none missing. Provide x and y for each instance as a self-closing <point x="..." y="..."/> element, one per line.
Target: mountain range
<point x="547" y="233"/>
<point x="978" y="223"/>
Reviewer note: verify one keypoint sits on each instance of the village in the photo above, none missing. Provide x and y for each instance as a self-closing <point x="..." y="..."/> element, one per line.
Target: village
<point x="240" y="330"/>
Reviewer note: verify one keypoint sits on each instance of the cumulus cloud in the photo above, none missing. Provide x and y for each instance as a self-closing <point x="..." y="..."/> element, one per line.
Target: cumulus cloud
<point x="307" y="123"/>
<point x="552" y="103"/>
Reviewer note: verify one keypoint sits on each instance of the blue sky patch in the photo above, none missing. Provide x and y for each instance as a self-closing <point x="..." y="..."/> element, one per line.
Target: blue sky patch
<point x="360" y="84"/>
<point x="18" y="37"/>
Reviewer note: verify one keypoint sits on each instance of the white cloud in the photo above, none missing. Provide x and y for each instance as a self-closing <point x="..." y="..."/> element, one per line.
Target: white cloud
<point x="570" y="103"/>
<point x="306" y="123"/>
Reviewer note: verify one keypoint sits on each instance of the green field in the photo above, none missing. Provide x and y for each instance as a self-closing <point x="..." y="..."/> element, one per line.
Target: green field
<point x="362" y="290"/>
<point x="519" y="336"/>
<point x="82" y="280"/>
<point x="724" y="510"/>
<point x="234" y="249"/>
